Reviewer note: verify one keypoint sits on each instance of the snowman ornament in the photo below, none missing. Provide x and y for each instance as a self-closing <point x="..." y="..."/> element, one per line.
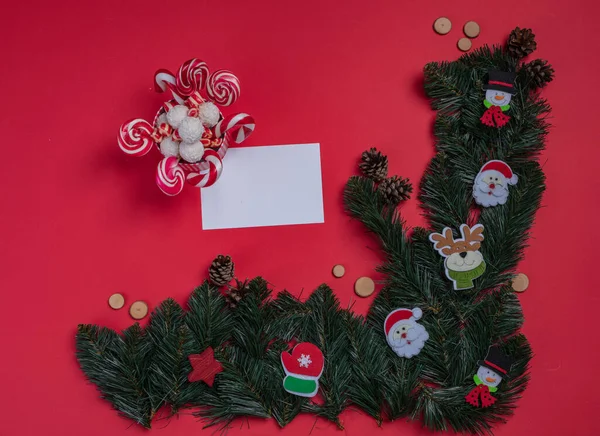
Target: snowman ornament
<point x="491" y="183"/>
<point x="498" y="94"/>
<point x="492" y="370"/>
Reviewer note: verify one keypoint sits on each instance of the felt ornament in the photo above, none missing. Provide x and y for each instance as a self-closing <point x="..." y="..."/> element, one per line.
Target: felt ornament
<point x="491" y="183"/>
<point x="303" y="367"/>
<point x="404" y="335"/>
<point x="463" y="261"/>
<point x="498" y="93"/>
<point x="204" y="367"/>
<point x="492" y="370"/>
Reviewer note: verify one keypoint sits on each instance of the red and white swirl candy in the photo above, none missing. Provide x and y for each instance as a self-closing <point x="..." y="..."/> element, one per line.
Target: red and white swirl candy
<point x="191" y="77"/>
<point x="170" y="176"/>
<point x="223" y="87"/>
<point x="207" y="177"/>
<point x="135" y="137"/>
<point x="163" y="80"/>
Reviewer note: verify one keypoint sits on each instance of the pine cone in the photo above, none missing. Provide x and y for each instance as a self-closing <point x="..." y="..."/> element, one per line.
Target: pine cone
<point x="539" y="73"/>
<point x="236" y="293"/>
<point x="221" y="270"/>
<point x="395" y="189"/>
<point x="521" y="42"/>
<point x="374" y="165"/>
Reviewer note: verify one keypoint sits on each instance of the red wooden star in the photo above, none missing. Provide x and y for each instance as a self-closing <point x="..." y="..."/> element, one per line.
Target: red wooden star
<point x="204" y="367"/>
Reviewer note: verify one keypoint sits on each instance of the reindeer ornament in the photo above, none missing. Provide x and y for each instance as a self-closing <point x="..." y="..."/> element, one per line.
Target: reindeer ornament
<point x="464" y="263"/>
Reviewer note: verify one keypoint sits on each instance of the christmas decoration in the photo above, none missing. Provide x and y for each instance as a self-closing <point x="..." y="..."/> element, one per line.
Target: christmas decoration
<point x="394" y="190"/>
<point x="204" y="367"/>
<point x="236" y="293"/>
<point x="374" y="164"/>
<point x="145" y="370"/>
<point x="489" y="375"/>
<point x="221" y="270"/>
<point x="491" y="184"/>
<point x="521" y="42"/>
<point x="463" y="260"/>
<point x="188" y="126"/>
<point x="539" y="73"/>
<point x="403" y="333"/>
<point x="303" y="367"/>
<point x="499" y="91"/>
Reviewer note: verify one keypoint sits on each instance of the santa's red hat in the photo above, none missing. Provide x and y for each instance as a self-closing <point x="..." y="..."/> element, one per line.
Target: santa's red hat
<point x="401" y="315"/>
<point x="502" y="168"/>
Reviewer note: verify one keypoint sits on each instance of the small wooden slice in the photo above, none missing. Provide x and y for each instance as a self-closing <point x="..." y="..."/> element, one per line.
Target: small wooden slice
<point x="442" y="25"/>
<point x="116" y="301"/>
<point x="338" y="271"/>
<point x="464" y="44"/>
<point x="520" y="283"/>
<point x="471" y="29"/>
<point x="138" y="310"/>
<point x="364" y="287"/>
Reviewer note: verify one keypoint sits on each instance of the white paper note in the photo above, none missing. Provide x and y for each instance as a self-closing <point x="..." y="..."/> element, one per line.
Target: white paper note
<point x="266" y="186"/>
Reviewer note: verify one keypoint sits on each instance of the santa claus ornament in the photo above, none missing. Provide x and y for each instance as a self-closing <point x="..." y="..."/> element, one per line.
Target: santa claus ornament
<point x="189" y="131"/>
<point x="404" y="335"/>
<point x="491" y="184"/>
<point x="498" y="93"/>
<point x="492" y="370"/>
<point x="463" y="261"/>
<point x="303" y="367"/>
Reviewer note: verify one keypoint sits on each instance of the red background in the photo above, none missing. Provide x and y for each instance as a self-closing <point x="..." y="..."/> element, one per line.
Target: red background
<point x="81" y="221"/>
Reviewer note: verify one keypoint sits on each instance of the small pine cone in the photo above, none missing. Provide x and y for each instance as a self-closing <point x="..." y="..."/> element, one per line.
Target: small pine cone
<point x="539" y="73"/>
<point x="374" y="165"/>
<point x="395" y="189"/>
<point x="221" y="270"/>
<point x="236" y="293"/>
<point x="521" y="42"/>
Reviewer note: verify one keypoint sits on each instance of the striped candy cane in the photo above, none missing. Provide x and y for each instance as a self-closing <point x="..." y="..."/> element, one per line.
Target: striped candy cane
<point x="170" y="176"/>
<point x="207" y="177"/>
<point x="237" y="127"/>
<point x="135" y="137"/>
<point x="165" y="80"/>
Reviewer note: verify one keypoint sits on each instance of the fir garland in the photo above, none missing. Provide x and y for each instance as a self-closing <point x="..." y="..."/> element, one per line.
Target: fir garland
<point x="142" y="370"/>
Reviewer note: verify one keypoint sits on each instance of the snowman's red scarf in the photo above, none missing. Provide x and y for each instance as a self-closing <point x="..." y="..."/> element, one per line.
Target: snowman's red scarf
<point x="493" y="117"/>
<point x="481" y="392"/>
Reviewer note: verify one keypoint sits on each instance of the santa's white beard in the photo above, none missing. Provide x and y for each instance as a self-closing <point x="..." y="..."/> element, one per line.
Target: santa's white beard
<point x="489" y="197"/>
<point x="412" y="344"/>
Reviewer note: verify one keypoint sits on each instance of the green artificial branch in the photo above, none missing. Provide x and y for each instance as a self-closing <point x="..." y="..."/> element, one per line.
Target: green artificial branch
<point x="142" y="370"/>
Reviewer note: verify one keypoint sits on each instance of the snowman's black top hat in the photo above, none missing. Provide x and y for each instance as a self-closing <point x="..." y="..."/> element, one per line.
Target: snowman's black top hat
<point x="497" y="361"/>
<point x="501" y="81"/>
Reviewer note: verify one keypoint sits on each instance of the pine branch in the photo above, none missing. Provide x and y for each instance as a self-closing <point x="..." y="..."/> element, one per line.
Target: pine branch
<point x="118" y="367"/>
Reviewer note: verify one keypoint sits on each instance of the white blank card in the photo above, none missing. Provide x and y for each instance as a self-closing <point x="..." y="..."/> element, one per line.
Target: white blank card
<point x="266" y="186"/>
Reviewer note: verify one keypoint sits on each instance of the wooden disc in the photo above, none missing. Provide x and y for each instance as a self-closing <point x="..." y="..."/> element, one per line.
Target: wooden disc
<point x="464" y="44"/>
<point x="138" y="310"/>
<point x="364" y="287"/>
<point x="116" y="301"/>
<point x="471" y="29"/>
<point x="442" y="25"/>
<point x="338" y="271"/>
<point x="520" y="283"/>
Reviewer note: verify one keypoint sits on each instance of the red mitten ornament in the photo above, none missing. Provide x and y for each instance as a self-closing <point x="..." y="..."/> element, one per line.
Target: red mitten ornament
<point x="303" y="367"/>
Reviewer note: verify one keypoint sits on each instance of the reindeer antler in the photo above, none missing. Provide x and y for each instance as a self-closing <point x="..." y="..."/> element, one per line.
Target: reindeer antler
<point x="472" y="235"/>
<point x="443" y="242"/>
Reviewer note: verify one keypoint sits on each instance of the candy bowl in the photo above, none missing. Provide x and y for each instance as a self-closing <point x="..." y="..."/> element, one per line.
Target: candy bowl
<point x="189" y="130"/>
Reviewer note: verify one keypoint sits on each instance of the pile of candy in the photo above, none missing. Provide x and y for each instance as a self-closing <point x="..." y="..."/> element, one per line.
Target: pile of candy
<point x="190" y="131"/>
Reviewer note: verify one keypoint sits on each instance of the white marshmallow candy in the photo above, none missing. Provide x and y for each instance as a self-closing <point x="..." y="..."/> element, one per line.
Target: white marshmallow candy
<point x="191" y="129"/>
<point x="209" y="114"/>
<point x="162" y="119"/>
<point x="176" y="115"/>
<point x="191" y="152"/>
<point x="169" y="148"/>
